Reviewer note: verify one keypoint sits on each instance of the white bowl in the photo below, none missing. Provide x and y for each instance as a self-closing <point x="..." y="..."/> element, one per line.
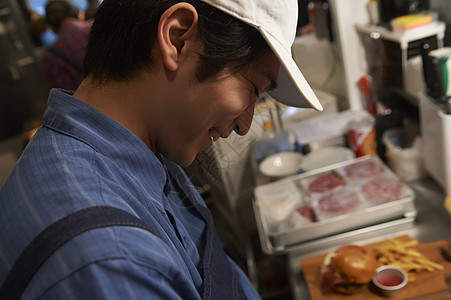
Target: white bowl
<point x="390" y="280"/>
<point x="281" y="164"/>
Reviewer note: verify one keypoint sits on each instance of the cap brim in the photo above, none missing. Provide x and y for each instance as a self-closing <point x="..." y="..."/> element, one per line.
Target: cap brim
<point x="292" y="87"/>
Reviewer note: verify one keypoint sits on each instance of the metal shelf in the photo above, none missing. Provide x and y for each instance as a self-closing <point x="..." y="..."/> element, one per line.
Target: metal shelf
<point x="404" y="38"/>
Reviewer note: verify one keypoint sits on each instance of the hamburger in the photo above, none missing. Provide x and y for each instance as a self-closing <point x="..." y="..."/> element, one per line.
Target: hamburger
<point x="348" y="270"/>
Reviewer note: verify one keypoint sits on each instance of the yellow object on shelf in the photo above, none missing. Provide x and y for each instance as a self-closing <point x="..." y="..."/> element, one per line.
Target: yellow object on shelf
<point x="448" y="204"/>
<point x="407" y="22"/>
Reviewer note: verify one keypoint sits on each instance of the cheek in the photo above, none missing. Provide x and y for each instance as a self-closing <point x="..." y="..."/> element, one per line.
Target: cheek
<point x="233" y="103"/>
<point x="247" y="116"/>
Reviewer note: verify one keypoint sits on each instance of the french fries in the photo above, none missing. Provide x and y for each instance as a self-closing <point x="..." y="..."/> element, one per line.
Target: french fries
<point x="401" y="254"/>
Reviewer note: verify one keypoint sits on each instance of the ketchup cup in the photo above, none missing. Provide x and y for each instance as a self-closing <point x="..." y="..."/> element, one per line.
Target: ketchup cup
<point x="390" y="280"/>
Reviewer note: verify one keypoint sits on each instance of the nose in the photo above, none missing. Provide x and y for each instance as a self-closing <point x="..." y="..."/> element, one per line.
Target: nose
<point x="244" y="121"/>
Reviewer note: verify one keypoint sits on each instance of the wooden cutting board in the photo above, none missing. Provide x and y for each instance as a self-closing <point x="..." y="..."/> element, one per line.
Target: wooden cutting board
<point x="426" y="285"/>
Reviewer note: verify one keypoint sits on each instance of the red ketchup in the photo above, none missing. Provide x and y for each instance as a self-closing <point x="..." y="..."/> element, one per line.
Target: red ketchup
<point x="389" y="280"/>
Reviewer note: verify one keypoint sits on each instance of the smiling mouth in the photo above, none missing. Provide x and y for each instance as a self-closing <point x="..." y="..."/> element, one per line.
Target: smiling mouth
<point x="237" y="129"/>
<point x="214" y="134"/>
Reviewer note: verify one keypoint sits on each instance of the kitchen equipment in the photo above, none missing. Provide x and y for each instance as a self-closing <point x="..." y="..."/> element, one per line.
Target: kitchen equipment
<point x="442" y="56"/>
<point x="435" y="126"/>
<point x="428" y="285"/>
<point x="436" y="67"/>
<point x="404" y="154"/>
<point x="283" y="236"/>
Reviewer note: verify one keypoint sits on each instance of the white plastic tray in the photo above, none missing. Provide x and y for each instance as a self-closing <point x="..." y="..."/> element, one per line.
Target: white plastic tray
<point x="280" y="228"/>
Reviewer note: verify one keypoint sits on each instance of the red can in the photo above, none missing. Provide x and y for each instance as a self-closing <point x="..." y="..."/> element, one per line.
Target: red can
<point x="362" y="136"/>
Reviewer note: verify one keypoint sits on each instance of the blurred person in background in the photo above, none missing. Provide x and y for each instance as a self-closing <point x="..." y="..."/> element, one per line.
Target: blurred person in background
<point x="62" y="61"/>
<point x="90" y="13"/>
<point x="36" y="23"/>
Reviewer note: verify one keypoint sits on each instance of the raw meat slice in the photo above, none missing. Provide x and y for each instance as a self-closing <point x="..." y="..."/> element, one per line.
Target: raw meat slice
<point x="307" y="212"/>
<point x="340" y="201"/>
<point x="383" y="190"/>
<point x="325" y="183"/>
<point x="364" y="169"/>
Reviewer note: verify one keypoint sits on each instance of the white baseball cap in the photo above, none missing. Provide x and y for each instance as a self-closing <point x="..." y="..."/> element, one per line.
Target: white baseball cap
<point x="276" y="20"/>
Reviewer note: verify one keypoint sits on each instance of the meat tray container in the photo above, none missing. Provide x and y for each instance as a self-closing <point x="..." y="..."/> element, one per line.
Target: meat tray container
<point x="276" y="204"/>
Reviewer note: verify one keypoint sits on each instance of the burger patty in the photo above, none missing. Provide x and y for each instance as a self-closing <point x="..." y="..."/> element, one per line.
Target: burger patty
<point x="329" y="278"/>
<point x="332" y="281"/>
<point x="339" y="201"/>
<point x="383" y="190"/>
<point x="364" y="169"/>
<point x="325" y="183"/>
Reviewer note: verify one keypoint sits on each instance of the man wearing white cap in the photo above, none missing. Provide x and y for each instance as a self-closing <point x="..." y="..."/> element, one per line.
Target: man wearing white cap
<point x="98" y="206"/>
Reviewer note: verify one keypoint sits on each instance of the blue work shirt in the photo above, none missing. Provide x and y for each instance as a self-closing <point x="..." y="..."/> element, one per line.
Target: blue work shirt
<point x="79" y="158"/>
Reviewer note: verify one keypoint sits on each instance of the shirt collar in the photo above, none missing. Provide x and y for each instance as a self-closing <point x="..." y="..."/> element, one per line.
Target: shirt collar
<point x="73" y="117"/>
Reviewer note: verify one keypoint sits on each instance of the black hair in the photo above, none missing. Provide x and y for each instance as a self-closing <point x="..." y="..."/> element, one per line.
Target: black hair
<point x="124" y="31"/>
<point x="58" y="10"/>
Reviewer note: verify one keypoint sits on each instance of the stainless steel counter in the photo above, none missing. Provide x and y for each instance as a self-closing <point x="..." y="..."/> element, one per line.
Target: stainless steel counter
<point x="431" y="223"/>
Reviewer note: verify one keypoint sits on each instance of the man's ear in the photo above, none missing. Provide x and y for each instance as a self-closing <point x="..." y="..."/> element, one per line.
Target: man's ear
<point x="178" y="33"/>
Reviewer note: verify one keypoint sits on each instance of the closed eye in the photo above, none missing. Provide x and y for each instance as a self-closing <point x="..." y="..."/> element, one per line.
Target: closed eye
<point x="256" y="91"/>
